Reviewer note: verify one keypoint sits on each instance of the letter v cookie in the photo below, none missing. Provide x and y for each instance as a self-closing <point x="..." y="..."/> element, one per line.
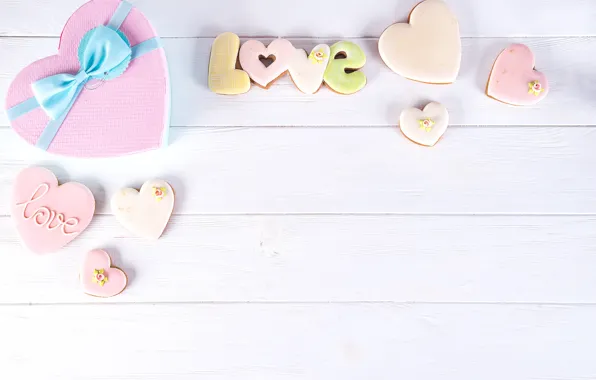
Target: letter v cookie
<point x="224" y="78"/>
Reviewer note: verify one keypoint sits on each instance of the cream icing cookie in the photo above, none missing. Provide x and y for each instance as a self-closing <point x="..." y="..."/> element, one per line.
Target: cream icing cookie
<point x="145" y="213"/>
<point x="513" y="79"/>
<point x="48" y="216"/>
<point x="424" y="127"/>
<point x="428" y="48"/>
<point x="99" y="278"/>
<point x="281" y="51"/>
<point x="224" y="78"/>
<point x="307" y="71"/>
<point x="342" y="74"/>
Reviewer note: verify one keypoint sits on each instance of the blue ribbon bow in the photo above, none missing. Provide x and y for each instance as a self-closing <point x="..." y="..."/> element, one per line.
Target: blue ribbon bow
<point x="104" y="54"/>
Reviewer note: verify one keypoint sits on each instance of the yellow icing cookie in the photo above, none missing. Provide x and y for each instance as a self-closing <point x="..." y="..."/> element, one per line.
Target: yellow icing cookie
<point x="341" y="74"/>
<point x="224" y="78"/>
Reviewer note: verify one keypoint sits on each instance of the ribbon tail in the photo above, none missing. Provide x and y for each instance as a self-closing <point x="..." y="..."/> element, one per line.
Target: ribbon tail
<point x="51" y="130"/>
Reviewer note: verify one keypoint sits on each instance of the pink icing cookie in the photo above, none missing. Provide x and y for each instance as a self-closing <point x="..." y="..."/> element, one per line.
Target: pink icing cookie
<point x="99" y="278"/>
<point x="280" y="50"/>
<point x="48" y="216"/>
<point x="513" y="79"/>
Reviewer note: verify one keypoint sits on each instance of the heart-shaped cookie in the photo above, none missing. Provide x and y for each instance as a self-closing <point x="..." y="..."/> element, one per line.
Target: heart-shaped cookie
<point x="424" y="127"/>
<point x="428" y="49"/>
<point x="224" y="78"/>
<point x="307" y="70"/>
<point x="513" y="79"/>
<point x="251" y="52"/>
<point x="99" y="278"/>
<point x="109" y="118"/>
<point x="48" y="216"/>
<point x="145" y="213"/>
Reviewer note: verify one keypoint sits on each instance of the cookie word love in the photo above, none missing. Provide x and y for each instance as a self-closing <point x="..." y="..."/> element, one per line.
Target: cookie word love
<point x="43" y="216"/>
<point x="337" y="66"/>
<point x="47" y="215"/>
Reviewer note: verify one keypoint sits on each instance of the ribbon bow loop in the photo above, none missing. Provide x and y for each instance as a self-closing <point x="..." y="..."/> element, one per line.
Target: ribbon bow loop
<point x="104" y="53"/>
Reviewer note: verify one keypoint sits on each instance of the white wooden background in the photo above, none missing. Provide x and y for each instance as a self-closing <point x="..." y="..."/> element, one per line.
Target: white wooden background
<point x="310" y="239"/>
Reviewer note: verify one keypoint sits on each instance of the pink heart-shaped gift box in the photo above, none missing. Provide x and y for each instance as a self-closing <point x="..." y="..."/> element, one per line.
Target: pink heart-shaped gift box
<point x="121" y="116"/>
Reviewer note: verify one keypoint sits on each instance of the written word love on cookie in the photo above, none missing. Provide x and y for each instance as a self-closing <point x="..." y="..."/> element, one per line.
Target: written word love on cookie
<point x="233" y="68"/>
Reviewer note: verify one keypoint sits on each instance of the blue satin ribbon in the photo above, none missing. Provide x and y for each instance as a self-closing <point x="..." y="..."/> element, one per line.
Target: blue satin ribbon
<point x="104" y="54"/>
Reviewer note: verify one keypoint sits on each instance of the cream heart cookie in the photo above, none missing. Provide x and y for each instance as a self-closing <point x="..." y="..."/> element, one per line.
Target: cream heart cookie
<point x="424" y="127"/>
<point x="99" y="278"/>
<point x="48" y="216"/>
<point x="281" y="51"/>
<point x="428" y="48"/>
<point x="307" y="71"/>
<point x="513" y="79"/>
<point x="145" y="213"/>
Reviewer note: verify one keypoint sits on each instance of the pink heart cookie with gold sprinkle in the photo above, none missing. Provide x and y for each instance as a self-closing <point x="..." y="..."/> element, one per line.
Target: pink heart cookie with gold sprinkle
<point x="514" y="80"/>
<point x="99" y="278"/>
<point x="48" y="216"/>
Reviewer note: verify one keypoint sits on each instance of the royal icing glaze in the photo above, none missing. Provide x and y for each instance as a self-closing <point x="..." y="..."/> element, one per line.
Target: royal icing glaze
<point x="145" y="213"/>
<point x="307" y="70"/>
<point x="428" y="48"/>
<point x="48" y="216"/>
<point x="336" y="76"/>
<point x="99" y="278"/>
<point x="513" y="79"/>
<point x="424" y="127"/>
<point x="224" y="78"/>
<point x="281" y="50"/>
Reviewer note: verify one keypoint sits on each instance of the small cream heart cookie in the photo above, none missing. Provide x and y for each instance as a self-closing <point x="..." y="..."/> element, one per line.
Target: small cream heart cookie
<point x="145" y="213"/>
<point x="307" y="71"/>
<point x="424" y="127"/>
<point x="428" y="48"/>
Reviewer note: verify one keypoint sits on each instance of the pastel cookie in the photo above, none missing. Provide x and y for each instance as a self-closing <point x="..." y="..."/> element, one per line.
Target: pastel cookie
<point x="513" y="79"/>
<point x="424" y="127"/>
<point x="99" y="278"/>
<point x="342" y="75"/>
<point x="224" y="78"/>
<point x="145" y="213"/>
<point x="281" y="51"/>
<point x="428" y="48"/>
<point x="48" y="216"/>
<point x="307" y="70"/>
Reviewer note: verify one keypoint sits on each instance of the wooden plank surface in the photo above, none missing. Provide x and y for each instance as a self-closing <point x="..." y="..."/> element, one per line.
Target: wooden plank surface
<point x="308" y="18"/>
<point x="294" y="342"/>
<point x="510" y="170"/>
<point x="323" y="258"/>
<point x="567" y="62"/>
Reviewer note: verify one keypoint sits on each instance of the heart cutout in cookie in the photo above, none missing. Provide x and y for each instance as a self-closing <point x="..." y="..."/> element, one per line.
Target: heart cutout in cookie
<point x="307" y="71"/>
<point x="145" y="213"/>
<point x="267" y="61"/>
<point x="514" y="80"/>
<point x="262" y="75"/>
<point x="48" y="216"/>
<point x="99" y="278"/>
<point x="424" y="127"/>
<point x="428" y="48"/>
<point x="109" y="118"/>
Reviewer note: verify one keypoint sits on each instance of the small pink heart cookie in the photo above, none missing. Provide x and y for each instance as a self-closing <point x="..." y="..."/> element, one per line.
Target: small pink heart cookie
<point x="48" y="216"/>
<point x="251" y="52"/>
<point x="99" y="278"/>
<point x="513" y="79"/>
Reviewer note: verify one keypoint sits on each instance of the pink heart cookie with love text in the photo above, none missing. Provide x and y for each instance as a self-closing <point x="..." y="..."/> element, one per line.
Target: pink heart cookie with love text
<point x="48" y="216"/>
<point x="114" y="117"/>
<point x="280" y="50"/>
<point x="99" y="278"/>
<point x="513" y="79"/>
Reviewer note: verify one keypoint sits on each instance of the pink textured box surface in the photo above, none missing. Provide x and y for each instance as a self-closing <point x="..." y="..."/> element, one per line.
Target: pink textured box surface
<point x="126" y="115"/>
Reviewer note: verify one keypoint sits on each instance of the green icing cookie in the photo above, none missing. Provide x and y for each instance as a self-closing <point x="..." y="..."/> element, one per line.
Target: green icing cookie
<point x="336" y="77"/>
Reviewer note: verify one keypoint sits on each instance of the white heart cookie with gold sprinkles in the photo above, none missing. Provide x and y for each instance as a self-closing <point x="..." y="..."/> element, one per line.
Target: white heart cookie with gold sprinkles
<point x="426" y="126"/>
